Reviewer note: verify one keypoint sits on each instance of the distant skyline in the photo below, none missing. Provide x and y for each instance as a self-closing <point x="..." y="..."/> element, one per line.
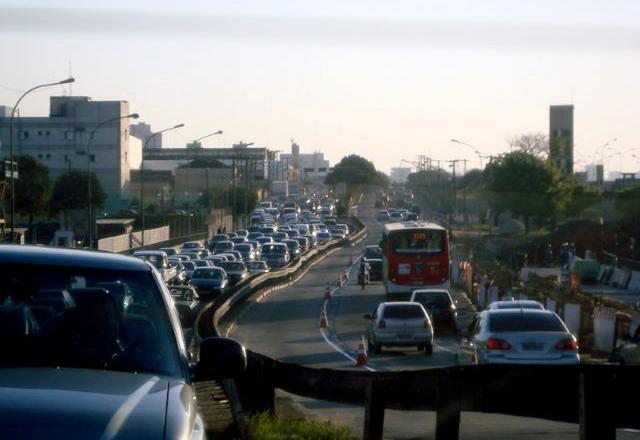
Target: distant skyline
<point x="386" y="80"/>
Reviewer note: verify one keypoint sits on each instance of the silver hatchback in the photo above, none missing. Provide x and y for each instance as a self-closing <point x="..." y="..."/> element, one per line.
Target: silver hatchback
<point x="399" y="324"/>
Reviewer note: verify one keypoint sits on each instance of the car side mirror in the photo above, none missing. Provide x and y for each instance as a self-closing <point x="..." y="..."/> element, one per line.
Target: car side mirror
<point x="221" y="358"/>
<point x="367" y="316"/>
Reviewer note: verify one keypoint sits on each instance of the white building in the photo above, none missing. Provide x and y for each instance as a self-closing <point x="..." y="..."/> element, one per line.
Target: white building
<point x="312" y="167"/>
<point x="400" y="174"/>
<point x="60" y="142"/>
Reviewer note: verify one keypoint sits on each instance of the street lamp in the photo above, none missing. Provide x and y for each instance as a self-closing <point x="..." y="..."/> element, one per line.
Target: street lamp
<point x="209" y="135"/>
<point x="142" y="176"/>
<point x="13" y="115"/>
<point x="90" y="201"/>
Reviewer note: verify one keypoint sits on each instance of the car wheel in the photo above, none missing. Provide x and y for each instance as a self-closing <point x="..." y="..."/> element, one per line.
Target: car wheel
<point x="370" y="345"/>
<point x="428" y="349"/>
<point x="377" y="348"/>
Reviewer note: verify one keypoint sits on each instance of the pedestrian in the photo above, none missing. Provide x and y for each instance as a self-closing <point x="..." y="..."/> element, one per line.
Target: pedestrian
<point x="361" y="279"/>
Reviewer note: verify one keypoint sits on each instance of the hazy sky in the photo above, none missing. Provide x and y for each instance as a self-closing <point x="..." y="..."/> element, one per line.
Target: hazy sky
<point x="386" y="80"/>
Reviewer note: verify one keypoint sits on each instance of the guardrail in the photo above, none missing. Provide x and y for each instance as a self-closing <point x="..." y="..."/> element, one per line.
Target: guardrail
<point x="599" y="398"/>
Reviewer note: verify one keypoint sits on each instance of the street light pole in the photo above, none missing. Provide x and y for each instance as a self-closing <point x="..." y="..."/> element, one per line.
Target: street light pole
<point x="11" y="120"/>
<point x="209" y="135"/>
<point x="89" y="193"/>
<point x="142" y="176"/>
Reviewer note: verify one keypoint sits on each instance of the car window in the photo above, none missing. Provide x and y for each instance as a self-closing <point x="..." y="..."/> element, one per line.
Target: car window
<point x="402" y="312"/>
<point x="100" y="330"/>
<point x="525" y="322"/>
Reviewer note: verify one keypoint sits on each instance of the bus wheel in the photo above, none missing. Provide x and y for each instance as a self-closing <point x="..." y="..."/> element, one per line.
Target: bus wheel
<point x="428" y="349"/>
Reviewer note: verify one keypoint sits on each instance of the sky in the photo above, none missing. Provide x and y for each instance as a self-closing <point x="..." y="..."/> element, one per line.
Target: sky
<point x="385" y="80"/>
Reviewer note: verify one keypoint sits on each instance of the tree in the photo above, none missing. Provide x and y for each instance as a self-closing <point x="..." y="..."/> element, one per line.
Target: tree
<point x="536" y="144"/>
<point x="356" y="170"/>
<point x="70" y="191"/>
<point x="627" y="201"/>
<point x="32" y="188"/>
<point x="526" y="185"/>
<point x="580" y="197"/>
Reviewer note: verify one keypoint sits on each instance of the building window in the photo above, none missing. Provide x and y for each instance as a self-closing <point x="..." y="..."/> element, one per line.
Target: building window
<point x="322" y="170"/>
<point x="48" y="156"/>
<point x="39" y="132"/>
<point x="48" y="133"/>
<point x="24" y="135"/>
<point x="68" y="135"/>
<point x="39" y="156"/>
<point x="92" y="157"/>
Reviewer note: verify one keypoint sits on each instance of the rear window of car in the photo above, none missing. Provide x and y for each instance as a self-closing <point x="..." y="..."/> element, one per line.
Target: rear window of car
<point x="525" y="322"/>
<point x="402" y="312"/>
<point x="433" y="298"/>
<point x="273" y="249"/>
<point x="233" y="266"/>
<point x="208" y="273"/>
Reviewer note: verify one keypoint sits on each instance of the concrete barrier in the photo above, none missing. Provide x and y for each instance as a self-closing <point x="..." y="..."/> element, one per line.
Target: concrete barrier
<point x="572" y="317"/>
<point x="551" y="305"/>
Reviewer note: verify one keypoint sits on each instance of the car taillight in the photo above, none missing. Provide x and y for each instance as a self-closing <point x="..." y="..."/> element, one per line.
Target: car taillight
<point x="497" y="344"/>
<point x="382" y="324"/>
<point x="567" y="345"/>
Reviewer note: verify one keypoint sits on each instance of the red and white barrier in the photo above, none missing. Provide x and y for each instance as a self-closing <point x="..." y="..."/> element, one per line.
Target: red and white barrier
<point x="604" y="326"/>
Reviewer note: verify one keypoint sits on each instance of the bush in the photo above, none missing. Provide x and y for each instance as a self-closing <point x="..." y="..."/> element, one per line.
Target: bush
<point x="264" y="426"/>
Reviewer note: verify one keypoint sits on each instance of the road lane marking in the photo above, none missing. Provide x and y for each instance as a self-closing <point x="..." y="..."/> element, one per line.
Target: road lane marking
<point x="325" y="336"/>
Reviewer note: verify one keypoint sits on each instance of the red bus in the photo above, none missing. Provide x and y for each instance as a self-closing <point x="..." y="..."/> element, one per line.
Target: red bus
<point x="415" y="255"/>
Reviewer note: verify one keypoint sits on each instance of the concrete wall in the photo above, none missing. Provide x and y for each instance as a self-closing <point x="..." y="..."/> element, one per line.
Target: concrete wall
<point x="123" y="242"/>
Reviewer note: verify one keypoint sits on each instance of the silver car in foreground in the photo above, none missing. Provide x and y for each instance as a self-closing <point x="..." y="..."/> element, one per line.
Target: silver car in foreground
<point x="518" y="336"/>
<point x="399" y="324"/>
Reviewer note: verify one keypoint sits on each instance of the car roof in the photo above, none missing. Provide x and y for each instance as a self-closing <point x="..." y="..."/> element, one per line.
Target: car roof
<point x="400" y="303"/>
<point x="515" y="302"/>
<point x="412" y="225"/>
<point x="513" y="311"/>
<point x="80" y="258"/>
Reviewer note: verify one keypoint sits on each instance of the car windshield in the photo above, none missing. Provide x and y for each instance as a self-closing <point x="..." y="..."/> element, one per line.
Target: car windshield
<point x="257" y="265"/>
<point x="273" y="249"/>
<point x="156" y="260"/>
<point x="233" y="266"/>
<point x="402" y="311"/>
<point x="244" y="247"/>
<point x="372" y="252"/>
<point x="94" y="327"/>
<point x="207" y="274"/>
<point x="525" y="322"/>
<point x="188" y="265"/>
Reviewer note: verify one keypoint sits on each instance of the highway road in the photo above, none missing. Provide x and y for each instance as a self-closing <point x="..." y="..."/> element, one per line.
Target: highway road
<point x="285" y="326"/>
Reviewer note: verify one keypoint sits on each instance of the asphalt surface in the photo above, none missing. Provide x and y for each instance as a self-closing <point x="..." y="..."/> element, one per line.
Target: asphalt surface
<point x="285" y="326"/>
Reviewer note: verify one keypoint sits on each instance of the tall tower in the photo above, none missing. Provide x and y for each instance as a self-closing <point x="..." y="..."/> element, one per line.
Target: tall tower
<point x="561" y="138"/>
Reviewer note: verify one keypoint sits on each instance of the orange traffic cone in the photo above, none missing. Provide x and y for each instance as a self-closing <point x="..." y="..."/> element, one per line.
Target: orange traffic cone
<point x="361" y="356"/>
<point x="327" y="292"/>
<point x="323" y="319"/>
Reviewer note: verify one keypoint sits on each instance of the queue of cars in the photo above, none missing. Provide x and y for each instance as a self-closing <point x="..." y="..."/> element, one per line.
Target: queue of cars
<point x="506" y="332"/>
<point x="274" y="239"/>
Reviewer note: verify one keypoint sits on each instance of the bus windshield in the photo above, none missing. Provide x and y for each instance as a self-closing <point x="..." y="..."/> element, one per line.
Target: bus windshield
<point x="413" y="241"/>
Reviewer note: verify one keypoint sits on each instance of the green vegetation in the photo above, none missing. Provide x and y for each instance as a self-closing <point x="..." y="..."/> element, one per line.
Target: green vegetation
<point x="581" y="197"/>
<point x="627" y="201"/>
<point x="32" y="188"/>
<point x="355" y="170"/>
<point x="526" y="185"/>
<point x="70" y="191"/>
<point x="264" y="426"/>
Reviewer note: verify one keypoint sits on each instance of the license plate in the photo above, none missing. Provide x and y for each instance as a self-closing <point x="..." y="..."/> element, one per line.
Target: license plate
<point x="532" y="346"/>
